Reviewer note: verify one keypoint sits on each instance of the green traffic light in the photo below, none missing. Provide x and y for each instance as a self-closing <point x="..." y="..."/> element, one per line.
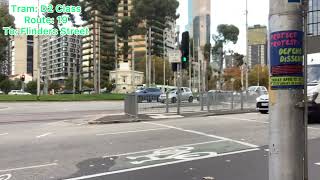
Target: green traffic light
<point x="184" y="59"/>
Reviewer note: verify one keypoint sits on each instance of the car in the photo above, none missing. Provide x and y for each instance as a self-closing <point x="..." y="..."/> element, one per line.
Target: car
<point x="19" y="93"/>
<point x="67" y="92"/>
<point x="313" y="100"/>
<point x="186" y="95"/>
<point x="257" y="90"/>
<point x="1" y="92"/>
<point x="148" y="94"/>
<point x="263" y="104"/>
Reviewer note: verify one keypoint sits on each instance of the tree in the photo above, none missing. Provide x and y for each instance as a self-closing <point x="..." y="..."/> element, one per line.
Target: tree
<point x="54" y="85"/>
<point x="226" y="34"/>
<point x="230" y="74"/>
<point x="259" y="73"/>
<point x="239" y="59"/>
<point x="7" y="85"/>
<point x="32" y="87"/>
<point x="6" y="20"/>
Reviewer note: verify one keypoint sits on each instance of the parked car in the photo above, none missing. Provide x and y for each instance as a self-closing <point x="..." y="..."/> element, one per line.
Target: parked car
<point x="186" y="95"/>
<point x="67" y="92"/>
<point x="148" y="94"/>
<point x="19" y="93"/>
<point x="257" y="90"/>
<point x="88" y="91"/>
<point x="1" y="92"/>
<point x="313" y="99"/>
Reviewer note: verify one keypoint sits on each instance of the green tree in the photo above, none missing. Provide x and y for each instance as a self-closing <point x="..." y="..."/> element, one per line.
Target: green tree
<point x="7" y="85"/>
<point x="6" y="20"/>
<point x="32" y="87"/>
<point x="259" y="74"/>
<point x="226" y="34"/>
<point x="239" y="59"/>
<point x="54" y="85"/>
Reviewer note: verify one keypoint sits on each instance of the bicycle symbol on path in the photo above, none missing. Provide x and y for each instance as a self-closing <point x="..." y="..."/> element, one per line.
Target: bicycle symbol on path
<point x="175" y="153"/>
<point x="5" y="177"/>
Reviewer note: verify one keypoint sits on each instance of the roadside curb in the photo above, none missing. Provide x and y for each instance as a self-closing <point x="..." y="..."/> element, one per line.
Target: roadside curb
<point x="142" y="118"/>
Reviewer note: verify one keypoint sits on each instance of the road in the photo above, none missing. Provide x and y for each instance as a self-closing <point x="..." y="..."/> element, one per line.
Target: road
<point x="57" y="111"/>
<point x="229" y="147"/>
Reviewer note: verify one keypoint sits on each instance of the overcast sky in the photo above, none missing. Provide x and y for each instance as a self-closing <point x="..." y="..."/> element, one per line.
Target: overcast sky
<point x="231" y="12"/>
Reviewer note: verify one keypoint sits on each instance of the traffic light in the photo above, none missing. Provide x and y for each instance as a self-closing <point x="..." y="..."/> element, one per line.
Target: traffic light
<point x="185" y="50"/>
<point x="23" y="78"/>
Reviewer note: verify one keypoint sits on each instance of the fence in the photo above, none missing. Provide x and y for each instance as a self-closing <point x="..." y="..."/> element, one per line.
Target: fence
<point x="204" y="102"/>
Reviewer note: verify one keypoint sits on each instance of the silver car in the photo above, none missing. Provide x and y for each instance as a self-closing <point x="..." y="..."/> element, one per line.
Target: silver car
<point x="186" y="95"/>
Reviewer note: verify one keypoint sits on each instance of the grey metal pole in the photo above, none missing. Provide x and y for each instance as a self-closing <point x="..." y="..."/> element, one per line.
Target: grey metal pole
<point x="95" y="82"/>
<point x="247" y="49"/>
<point x="286" y="119"/>
<point x="133" y="66"/>
<point x="305" y="26"/>
<point x="147" y="52"/>
<point x="39" y="59"/>
<point x="179" y="87"/>
<point x="149" y="58"/>
<point x="116" y="58"/>
<point x="164" y="61"/>
<point x="99" y="62"/>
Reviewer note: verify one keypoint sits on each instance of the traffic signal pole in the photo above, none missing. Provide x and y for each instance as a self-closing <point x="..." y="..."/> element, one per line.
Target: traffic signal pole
<point x="287" y="132"/>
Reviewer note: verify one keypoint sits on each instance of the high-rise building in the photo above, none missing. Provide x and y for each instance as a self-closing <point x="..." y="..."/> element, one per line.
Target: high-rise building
<point x="24" y="57"/>
<point x="257" y="45"/>
<point x="201" y="22"/>
<point x="60" y="57"/>
<point x="314" y="27"/>
<point x="102" y="32"/>
<point x="189" y="26"/>
<point x="4" y="2"/>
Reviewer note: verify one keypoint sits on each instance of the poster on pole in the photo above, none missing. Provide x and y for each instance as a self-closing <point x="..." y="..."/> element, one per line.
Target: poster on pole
<point x="286" y="60"/>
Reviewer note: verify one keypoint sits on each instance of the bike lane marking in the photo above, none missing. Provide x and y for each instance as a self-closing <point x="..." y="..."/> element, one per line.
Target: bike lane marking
<point x="3" y="134"/>
<point x="168" y="156"/>
<point x="204" y="134"/>
<point x="5" y="176"/>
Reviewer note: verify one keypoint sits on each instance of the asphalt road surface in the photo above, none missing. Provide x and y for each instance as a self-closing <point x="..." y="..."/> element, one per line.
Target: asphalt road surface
<point x="229" y="147"/>
<point x="57" y="111"/>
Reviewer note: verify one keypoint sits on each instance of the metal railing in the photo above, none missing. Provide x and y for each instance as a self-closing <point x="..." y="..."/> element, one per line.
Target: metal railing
<point x="203" y="102"/>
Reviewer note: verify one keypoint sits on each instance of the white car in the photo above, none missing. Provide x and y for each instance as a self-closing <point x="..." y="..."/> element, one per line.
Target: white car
<point x="186" y="95"/>
<point x="257" y="90"/>
<point x="19" y="93"/>
<point x="1" y="92"/>
<point x="263" y="104"/>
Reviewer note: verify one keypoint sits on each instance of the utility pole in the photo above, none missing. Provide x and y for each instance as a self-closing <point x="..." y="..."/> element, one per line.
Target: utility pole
<point x="133" y="66"/>
<point x="116" y="58"/>
<point x="95" y="82"/>
<point x="287" y="130"/>
<point x="247" y="48"/>
<point x="99" y="62"/>
<point x="39" y="59"/>
<point x="164" y="60"/>
<point x="149" y="58"/>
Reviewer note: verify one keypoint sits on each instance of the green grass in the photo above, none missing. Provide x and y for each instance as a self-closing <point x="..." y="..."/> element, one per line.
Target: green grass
<point x="77" y="97"/>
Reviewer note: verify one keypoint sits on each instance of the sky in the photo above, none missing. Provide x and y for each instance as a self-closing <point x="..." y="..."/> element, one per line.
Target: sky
<point x="222" y="12"/>
<point x="231" y="12"/>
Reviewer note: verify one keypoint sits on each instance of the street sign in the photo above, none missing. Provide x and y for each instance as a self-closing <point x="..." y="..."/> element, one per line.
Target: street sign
<point x="175" y="56"/>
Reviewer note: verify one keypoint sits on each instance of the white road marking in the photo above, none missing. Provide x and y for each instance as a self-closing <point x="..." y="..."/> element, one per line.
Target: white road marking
<point x="5" y="176"/>
<point x="128" y="132"/>
<point x="43" y="135"/>
<point x="3" y="134"/>
<point x="155" y="165"/>
<point x="241" y="119"/>
<point x="262" y="122"/>
<point x="164" y="116"/>
<point x="126" y="154"/>
<point x="204" y="134"/>
<point x="318" y="164"/>
<point x="29" y="167"/>
<point x="81" y="124"/>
